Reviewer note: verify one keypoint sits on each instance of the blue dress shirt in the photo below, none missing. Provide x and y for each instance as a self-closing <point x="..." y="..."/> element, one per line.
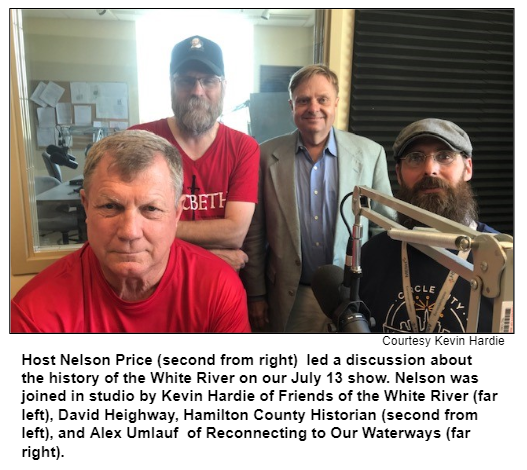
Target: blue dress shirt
<point x="317" y="199"/>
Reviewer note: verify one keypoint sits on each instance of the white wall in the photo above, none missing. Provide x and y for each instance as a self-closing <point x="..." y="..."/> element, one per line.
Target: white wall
<point x="284" y="46"/>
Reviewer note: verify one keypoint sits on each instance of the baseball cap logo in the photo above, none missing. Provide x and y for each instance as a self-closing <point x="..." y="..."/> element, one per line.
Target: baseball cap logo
<point x="196" y="43"/>
<point x="197" y="49"/>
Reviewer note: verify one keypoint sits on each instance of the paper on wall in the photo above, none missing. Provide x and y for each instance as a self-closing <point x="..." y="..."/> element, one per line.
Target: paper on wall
<point x="46" y="117"/>
<point x="84" y="92"/>
<point x="45" y="136"/>
<point x="52" y="93"/>
<point x="35" y="97"/>
<point x="112" y="102"/>
<point x="119" y="125"/>
<point x="111" y="108"/>
<point x="64" y="113"/>
<point x="83" y="115"/>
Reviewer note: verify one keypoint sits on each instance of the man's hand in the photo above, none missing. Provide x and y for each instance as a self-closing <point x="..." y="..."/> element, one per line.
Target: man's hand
<point x="258" y="314"/>
<point x="236" y="258"/>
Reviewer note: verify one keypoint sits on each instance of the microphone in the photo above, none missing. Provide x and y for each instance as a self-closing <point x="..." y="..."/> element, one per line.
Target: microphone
<point x="60" y="156"/>
<point x="349" y="316"/>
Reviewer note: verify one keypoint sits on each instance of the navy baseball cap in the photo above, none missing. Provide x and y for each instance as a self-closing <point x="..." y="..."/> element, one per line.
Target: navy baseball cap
<point x="198" y="49"/>
<point x="450" y="133"/>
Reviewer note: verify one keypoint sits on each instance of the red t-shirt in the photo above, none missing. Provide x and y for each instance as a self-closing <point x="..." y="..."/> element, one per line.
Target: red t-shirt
<point x="227" y="171"/>
<point x="199" y="292"/>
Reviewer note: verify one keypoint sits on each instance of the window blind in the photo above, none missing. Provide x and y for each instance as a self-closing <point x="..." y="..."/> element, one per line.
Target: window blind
<point x="457" y="65"/>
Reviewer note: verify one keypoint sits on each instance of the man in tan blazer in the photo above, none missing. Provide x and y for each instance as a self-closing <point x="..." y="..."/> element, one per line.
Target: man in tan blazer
<point x="297" y="225"/>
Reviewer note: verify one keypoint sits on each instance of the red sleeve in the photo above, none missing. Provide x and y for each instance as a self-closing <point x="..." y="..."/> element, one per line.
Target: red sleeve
<point x="50" y="302"/>
<point x="243" y="185"/>
<point x="20" y="322"/>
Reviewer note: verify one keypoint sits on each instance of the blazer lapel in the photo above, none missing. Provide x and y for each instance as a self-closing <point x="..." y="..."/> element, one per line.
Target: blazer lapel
<point x="282" y="173"/>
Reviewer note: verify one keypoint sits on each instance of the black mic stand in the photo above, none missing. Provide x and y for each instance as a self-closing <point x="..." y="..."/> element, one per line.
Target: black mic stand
<point x="353" y="316"/>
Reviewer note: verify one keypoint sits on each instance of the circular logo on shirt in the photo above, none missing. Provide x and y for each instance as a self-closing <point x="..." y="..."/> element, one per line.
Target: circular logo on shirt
<point x="451" y="319"/>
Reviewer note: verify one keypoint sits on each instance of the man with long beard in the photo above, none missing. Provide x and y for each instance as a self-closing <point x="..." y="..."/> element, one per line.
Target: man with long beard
<point x="433" y="166"/>
<point x="220" y="164"/>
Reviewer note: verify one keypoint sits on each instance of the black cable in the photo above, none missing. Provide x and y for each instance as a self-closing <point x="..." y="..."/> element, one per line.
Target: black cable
<point x="342" y="212"/>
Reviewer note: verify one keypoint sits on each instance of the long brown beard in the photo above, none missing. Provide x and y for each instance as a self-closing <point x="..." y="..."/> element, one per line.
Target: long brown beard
<point x="456" y="203"/>
<point x="195" y="116"/>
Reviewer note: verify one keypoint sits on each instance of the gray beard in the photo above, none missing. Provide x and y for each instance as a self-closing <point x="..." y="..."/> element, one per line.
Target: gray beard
<point x="196" y="116"/>
<point x="458" y="204"/>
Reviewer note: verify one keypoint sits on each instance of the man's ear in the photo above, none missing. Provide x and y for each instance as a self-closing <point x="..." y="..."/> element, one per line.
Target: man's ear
<point x="468" y="169"/>
<point x="179" y="207"/>
<point x="84" y="199"/>
<point x="84" y="202"/>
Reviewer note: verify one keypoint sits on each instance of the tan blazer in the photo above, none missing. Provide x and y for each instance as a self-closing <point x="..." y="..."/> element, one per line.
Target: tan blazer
<point x="273" y="241"/>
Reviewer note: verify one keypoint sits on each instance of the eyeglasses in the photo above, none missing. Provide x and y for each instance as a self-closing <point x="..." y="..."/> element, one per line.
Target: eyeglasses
<point x="443" y="157"/>
<point x="186" y="82"/>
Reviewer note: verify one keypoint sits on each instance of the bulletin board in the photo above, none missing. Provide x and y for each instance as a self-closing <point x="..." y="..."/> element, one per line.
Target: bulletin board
<point x="77" y="112"/>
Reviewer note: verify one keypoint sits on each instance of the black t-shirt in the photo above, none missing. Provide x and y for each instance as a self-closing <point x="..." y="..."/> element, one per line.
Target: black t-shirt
<point x="381" y="289"/>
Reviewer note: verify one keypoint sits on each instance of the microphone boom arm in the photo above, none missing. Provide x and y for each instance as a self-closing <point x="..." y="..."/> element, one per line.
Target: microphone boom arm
<point x="490" y="274"/>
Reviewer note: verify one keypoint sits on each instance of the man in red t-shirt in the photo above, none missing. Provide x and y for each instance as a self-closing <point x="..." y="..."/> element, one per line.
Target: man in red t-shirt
<point x="133" y="275"/>
<point x="220" y="164"/>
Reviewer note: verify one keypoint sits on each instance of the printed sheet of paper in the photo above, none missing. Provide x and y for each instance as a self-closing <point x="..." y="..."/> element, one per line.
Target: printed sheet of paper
<point x="112" y="102"/>
<point x="82" y="115"/>
<point x="46" y="117"/>
<point x="52" y="93"/>
<point x="35" y="97"/>
<point x="84" y="92"/>
<point x="64" y="113"/>
<point x="45" y="136"/>
<point x="119" y="125"/>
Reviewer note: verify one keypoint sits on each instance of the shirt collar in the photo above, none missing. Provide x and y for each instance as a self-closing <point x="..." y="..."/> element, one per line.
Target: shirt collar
<point x="330" y="148"/>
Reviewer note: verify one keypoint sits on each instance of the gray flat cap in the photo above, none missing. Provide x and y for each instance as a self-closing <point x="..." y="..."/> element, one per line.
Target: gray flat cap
<point x="450" y="133"/>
